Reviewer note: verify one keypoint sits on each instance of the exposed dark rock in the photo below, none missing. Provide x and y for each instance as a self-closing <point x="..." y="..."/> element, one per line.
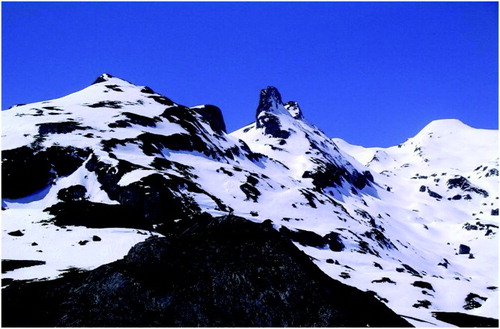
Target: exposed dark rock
<point x="65" y="160"/>
<point x="374" y="294"/>
<point x="251" y="192"/>
<point x="334" y="241"/>
<point x="16" y="233"/>
<point x="384" y="279"/>
<point x="459" y="182"/>
<point x="411" y="270"/>
<point x="58" y="127"/>
<point x="361" y="180"/>
<point x="444" y="263"/>
<point x="422" y="303"/>
<point x="114" y="88"/>
<point x="96" y="215"/>
<point x="252" y="180"/>
<point x="24" y="172"/>
<point x="83" y="242"/>
<point x="154" y="198"/>
<point x="186" y="280"/>
<point x="303" y="237"/>
<point x="102" y="78"/>
<point x="269" y="99"/>
<point x="110" y="144"/>
<point x="213" y="116"/>
<point x="13" y="264"/>
<point x="161" y="163"/>
<point x="147" y="90"/>
<point x="463" y="249"/>
<point x="162" y="100"/>
<point x="294" y="109"/>
<point x="287" y="219"/>
<point x="470" y="227"/>
<point x="465" y="320"/>
<point x="250" y="189"/>
<point x="140" y="119"/>
<point x="310" y="197"/>
<point x="492" y="172"/>
<point x="119" y="124"/>
<point x="465" y="185"/>
<point x="494" y="212"/>
<point x="364" y="247"/>
<point x="345" y="275"/>
<point x="266" y="118"/>
<point x="271" y="125"/>
<point x="327" y="174"/>
<point x="96" y="238"/>
<point x="225" y="171"/>
<point x="133" y="118"/>
<point x="108" y="104"/>
<point x="423" y="284"/>
<point x="7" y="281"/>
<point x="366" y="215"/>
<point x="196" y="138"/>
<point x="473" y="301"/>
<point x="52" y="108"/>
<point x="376" y="235"/>
<point x="434" y="194"/>
<point x="255" y="157"/>
<point x="72" y="193"/>
<point x="423" y="188"/>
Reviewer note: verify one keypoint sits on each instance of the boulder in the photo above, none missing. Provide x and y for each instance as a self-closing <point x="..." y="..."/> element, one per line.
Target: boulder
<point x="463" y="249"/>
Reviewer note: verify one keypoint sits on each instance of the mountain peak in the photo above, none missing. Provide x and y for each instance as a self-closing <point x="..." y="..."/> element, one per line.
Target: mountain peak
<point x="445" y="125"/>
<point x="270" y="101"/>
<point x="103" y="78"/>
<point x="269" y="112"/>
<point x="270" y="96"/>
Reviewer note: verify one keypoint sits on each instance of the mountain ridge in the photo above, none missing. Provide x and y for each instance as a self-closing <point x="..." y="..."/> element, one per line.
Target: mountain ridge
<point x="378" y="219"/>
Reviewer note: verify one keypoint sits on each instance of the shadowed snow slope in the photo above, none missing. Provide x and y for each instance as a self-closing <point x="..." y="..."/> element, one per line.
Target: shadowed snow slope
<point x="87" y="176"/>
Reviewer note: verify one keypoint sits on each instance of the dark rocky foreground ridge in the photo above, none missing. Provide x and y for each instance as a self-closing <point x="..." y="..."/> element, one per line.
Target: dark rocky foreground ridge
<point x="223" y="271"/>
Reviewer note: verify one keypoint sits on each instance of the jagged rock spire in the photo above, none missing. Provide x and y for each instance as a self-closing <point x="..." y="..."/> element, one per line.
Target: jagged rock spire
<point x="270" y="100"/>
<point x="269" y="111"/>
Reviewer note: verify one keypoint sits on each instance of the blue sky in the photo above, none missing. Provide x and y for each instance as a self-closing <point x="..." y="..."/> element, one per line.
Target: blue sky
<point x="372" y="73"/>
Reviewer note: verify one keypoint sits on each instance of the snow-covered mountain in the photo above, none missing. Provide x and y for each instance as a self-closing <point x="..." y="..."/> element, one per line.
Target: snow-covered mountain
<point x="87" y="176"/>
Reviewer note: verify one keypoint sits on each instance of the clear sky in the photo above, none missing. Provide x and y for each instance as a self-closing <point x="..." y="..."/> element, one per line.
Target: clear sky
<point x="371" y="73"/>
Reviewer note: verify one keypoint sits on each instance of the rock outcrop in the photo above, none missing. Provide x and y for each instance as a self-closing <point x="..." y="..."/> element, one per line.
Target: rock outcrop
<point x="223" y="272"/>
